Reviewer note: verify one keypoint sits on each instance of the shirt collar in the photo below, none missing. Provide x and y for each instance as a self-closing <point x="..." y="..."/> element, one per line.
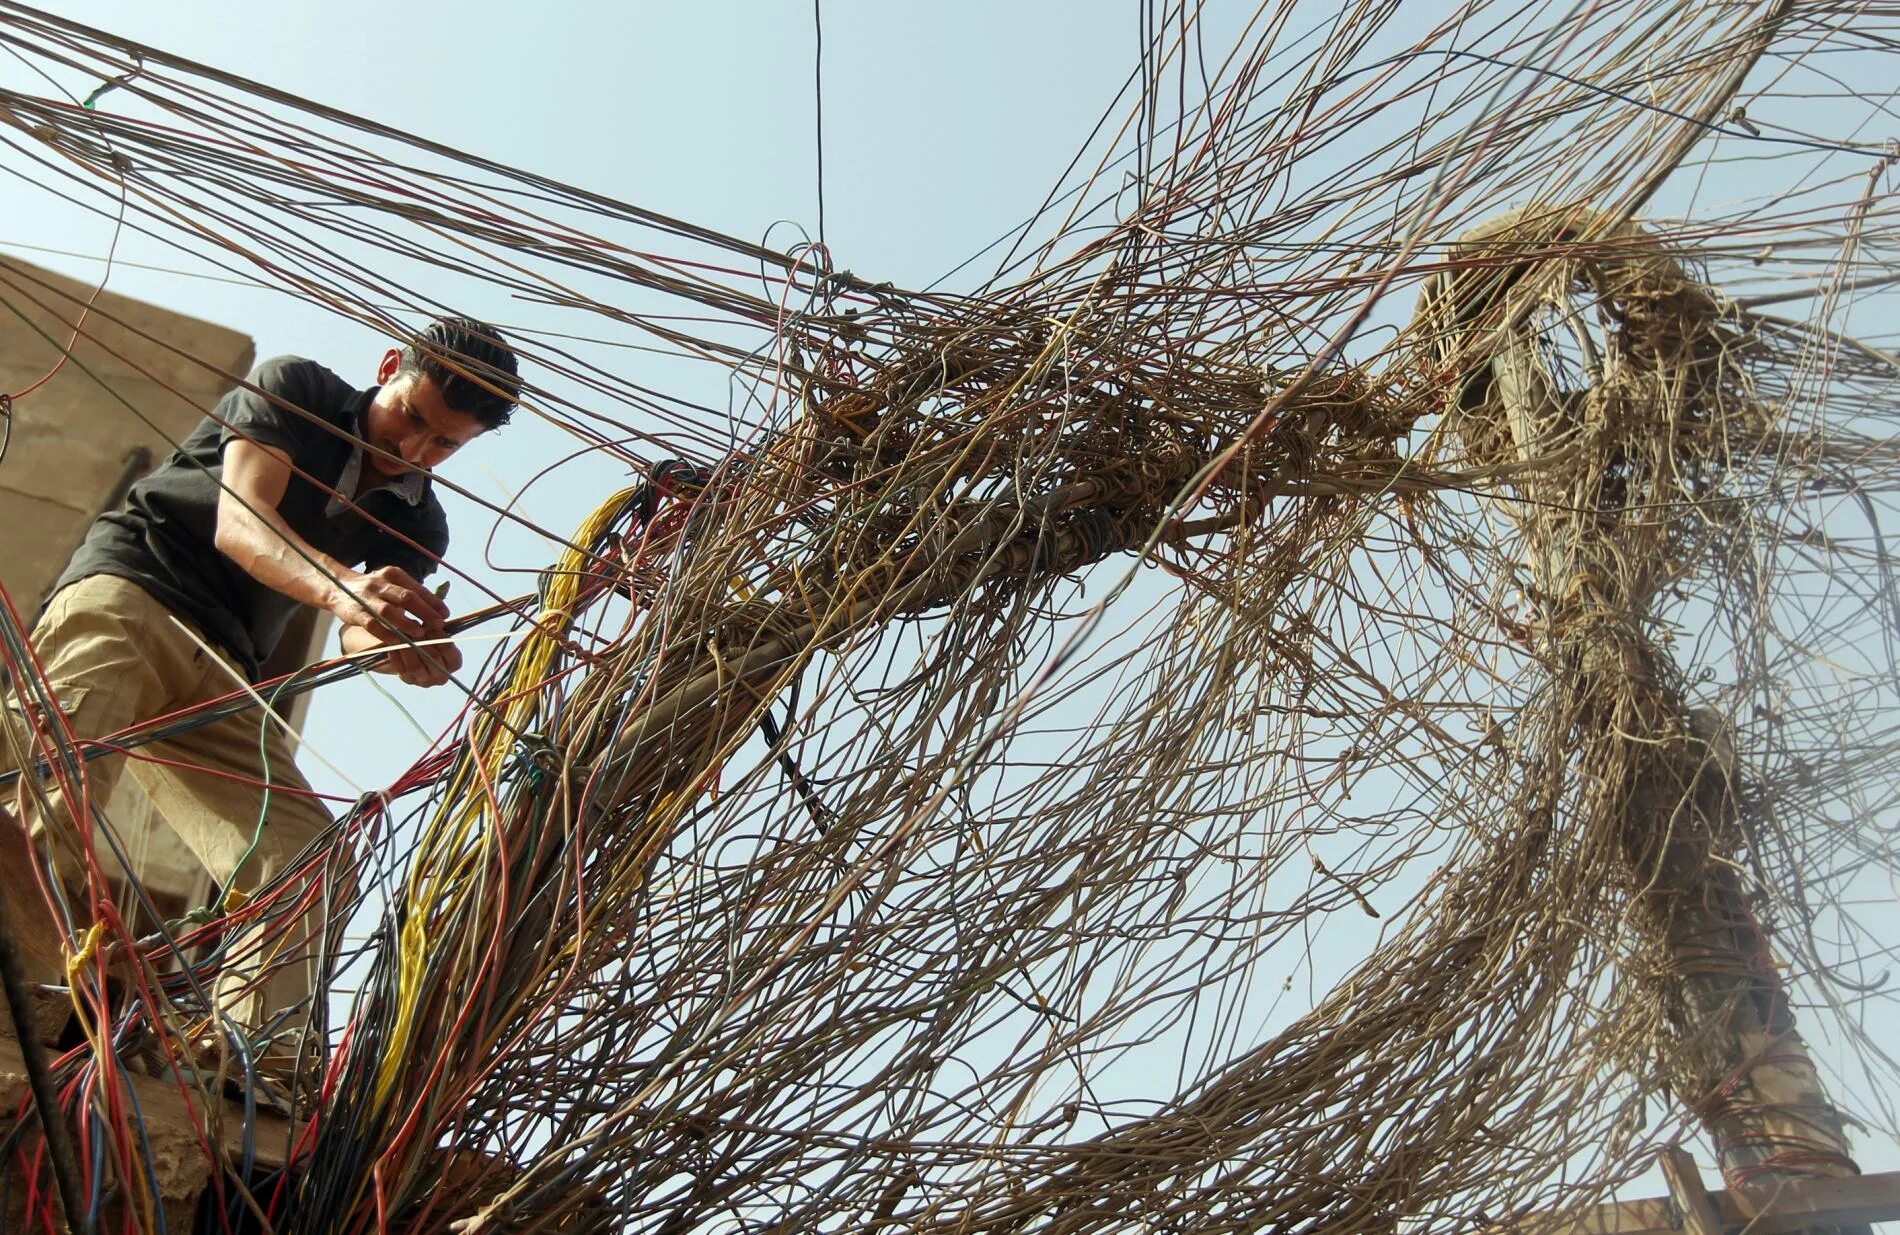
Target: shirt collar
<point x="411" y="487"/>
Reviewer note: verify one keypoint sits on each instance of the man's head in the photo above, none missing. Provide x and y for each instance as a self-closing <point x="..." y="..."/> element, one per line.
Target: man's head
<point x="454" y="382"/>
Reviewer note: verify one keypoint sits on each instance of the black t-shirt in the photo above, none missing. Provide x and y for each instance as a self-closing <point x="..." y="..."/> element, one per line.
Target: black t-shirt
<point x="162" y="538"/>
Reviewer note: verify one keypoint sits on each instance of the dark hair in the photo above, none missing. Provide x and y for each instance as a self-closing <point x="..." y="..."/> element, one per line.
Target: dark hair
<point x="469" y="362"/>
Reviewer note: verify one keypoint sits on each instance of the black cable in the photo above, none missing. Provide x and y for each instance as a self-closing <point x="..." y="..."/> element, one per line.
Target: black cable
<point x="40" y="1077"/>
<point x="818" y="92"/>
<point x="820" y="813"/>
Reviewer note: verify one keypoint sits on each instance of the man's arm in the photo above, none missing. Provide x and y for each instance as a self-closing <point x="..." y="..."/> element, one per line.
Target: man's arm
<point x="386" y="603"/>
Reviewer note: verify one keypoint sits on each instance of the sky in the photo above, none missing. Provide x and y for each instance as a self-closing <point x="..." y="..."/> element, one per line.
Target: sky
<point x="944" y="126"/>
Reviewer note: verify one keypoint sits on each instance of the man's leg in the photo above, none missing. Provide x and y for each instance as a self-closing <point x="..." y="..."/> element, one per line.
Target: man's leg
<point x="107" y="667"/>
<point x="246" y="835"/>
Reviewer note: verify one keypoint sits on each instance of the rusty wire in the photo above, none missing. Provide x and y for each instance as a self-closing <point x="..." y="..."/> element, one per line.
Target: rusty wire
<point x="1028" y="681"/>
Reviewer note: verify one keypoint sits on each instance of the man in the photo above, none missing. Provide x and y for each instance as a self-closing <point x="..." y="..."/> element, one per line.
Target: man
<point x="296" y="490"/>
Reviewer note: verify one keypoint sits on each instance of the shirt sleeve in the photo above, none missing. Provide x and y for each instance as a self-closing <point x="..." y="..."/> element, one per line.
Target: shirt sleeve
<point x="431" y="531"/>
<point x="246" y="415"/>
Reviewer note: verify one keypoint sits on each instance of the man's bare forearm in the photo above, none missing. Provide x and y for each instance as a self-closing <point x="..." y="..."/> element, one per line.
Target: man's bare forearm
<point x="264" y="546"/>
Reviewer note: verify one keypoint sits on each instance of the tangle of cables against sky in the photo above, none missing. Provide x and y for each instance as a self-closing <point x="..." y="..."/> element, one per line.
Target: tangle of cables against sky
<point x="1420" y="479"/>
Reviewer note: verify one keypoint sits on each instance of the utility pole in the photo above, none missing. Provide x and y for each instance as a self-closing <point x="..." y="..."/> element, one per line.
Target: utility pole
<point x="1611" y="476"/>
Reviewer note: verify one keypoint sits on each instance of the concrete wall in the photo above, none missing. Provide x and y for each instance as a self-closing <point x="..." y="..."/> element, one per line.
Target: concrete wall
<point x="106" y="418"/>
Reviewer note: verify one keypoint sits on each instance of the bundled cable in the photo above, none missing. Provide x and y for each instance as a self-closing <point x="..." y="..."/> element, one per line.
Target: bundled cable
<point x="1440" y="737"/>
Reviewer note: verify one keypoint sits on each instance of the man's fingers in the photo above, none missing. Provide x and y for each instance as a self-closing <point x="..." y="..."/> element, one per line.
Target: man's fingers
<point x="399" y="623"/>
<point x="424" y="619"/>
<point x="377" y="607"/>
<point x="396" y="589"/>
<point x="422" y="603"/>
<point x="413" y="665"/>
<point x="398" y="576"/>
<point x="400" y="610"/>
<point x="446" y="656"/>
<point x="416" y="598"/>
<point x="411" y="668"/>
<point x="412" y="604"/>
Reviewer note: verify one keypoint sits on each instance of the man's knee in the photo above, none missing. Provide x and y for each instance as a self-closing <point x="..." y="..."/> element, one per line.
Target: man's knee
<point x="294" y="832"/>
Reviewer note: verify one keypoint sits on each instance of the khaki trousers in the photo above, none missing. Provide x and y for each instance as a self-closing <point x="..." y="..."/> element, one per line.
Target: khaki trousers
<point x="114" y="656"/>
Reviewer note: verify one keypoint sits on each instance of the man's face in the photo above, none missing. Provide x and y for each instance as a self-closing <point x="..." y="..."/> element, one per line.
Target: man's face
<point x="408" y="419"/>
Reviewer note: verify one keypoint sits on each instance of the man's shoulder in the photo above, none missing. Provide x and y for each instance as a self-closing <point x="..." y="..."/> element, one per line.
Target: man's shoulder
<point x="304" y="381"/>
<point x="289" y="402"/>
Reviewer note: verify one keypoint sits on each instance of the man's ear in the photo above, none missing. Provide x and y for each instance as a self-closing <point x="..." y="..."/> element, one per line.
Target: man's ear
<point x="392" y="361"/>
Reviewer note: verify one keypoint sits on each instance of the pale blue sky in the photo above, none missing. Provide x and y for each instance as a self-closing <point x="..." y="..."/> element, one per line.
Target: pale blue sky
<point x="945" y="125"/>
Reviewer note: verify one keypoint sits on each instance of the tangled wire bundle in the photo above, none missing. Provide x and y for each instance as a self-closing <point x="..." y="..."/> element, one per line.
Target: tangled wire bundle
<point x="858" y="803"/>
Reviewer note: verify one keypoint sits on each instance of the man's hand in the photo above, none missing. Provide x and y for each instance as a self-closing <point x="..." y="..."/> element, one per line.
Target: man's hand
<point x="430" y="665"/>
<point x="388" y="608"/>
<point x="388" y="602"/>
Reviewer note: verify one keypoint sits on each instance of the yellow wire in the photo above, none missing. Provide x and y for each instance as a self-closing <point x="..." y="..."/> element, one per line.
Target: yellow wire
<point x="454" y="848"/>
